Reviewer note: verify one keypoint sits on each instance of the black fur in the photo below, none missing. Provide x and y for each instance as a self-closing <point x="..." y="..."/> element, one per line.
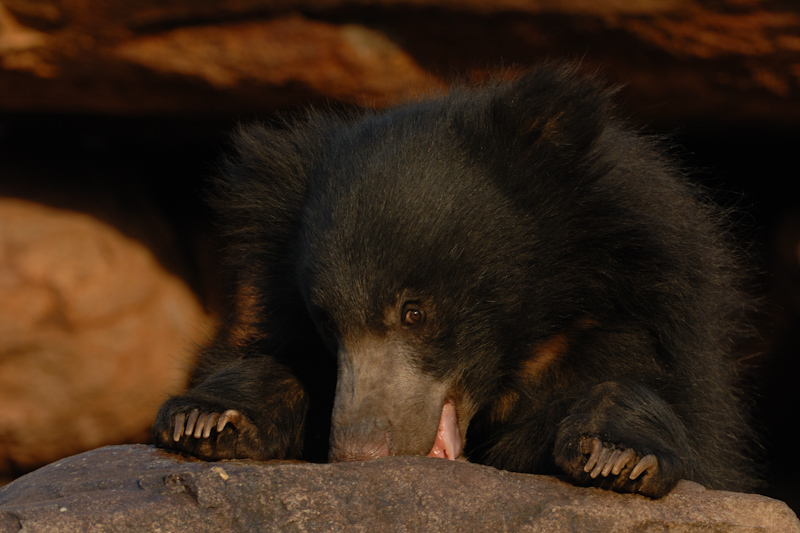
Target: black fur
<point x="571" y="286"/>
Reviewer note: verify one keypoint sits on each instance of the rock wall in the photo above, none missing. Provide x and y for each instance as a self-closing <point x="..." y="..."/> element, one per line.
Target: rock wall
<point x="681" y="60"/>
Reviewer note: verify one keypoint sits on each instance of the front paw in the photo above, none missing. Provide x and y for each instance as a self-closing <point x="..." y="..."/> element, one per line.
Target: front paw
<point x="207" y="432"/>
<point x="199" y="424"/>
<point x="593" y="462"/>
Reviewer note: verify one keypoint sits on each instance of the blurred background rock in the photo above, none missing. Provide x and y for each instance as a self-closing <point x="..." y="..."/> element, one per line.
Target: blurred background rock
<point x="113" y="113"/>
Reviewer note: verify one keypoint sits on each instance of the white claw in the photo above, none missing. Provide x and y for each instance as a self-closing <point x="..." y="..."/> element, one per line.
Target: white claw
<point x="180" y="420"/>
<point x="231" y="415"/>
<point x="623" y="461"/>
<point x="610" y="463"/>
<point x="201" y="425"/>
<point x="211" y="421"/>
<point x="648" y="462"/>
<point x="601" y="462"/>
<point x="191" y="422"/>
<point x="593" y="448"/>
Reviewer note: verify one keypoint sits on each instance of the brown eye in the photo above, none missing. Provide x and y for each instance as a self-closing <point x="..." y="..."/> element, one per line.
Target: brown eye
<point x="413" y="316"/>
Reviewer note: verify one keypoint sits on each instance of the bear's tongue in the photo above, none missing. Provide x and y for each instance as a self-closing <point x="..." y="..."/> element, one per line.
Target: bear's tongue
<point x="448" y="438"/>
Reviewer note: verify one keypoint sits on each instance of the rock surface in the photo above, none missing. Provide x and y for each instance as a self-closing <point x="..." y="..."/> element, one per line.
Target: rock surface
<point x="94" y="333"/>
<point x="141" y="488"/>
<point x="681" y="60"/>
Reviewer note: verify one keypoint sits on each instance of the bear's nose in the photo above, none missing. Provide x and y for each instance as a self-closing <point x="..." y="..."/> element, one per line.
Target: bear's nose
<point x="360" y="442"/>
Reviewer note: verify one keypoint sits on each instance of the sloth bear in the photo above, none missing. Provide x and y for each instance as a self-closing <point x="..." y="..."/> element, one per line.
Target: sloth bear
<point x="503" y="274"/>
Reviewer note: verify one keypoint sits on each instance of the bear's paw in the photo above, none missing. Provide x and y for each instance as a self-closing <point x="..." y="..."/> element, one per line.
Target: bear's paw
<point x="616" y="467"/>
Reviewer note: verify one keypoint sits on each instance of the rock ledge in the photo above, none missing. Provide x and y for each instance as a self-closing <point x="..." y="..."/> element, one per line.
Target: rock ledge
<point x="141" y="488"/>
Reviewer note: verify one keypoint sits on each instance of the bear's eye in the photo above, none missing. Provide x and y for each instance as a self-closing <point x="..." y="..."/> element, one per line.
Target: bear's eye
<point x="413" y="316"/>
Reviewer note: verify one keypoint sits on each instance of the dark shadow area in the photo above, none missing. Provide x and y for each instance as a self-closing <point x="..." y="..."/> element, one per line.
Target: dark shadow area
<point x="754" y="172"/>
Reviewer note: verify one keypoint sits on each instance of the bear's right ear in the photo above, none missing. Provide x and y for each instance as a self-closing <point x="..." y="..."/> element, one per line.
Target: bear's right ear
<point x="548" y="121"/>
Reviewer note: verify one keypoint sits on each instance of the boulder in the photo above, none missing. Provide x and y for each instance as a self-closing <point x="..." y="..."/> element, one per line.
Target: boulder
<point x="94" y="334"/>
<point x="142" y="488"/>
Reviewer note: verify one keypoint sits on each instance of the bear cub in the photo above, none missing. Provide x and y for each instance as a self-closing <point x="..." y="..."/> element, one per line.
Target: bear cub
<point x="504" y="274"/>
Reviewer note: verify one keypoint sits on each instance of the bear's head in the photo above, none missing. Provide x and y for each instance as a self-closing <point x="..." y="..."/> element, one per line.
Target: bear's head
<point x="416" y="243"/>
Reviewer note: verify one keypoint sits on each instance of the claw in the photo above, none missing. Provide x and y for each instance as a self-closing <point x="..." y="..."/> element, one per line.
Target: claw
<point x="191" y="422"/>
<point x="211" y="421"/>
<point x="648" y="462"/>
<point x="601" y="462"/>
<point x="610" y="463"/>
<point x="623" y="460"/>
<point x="231" y="415"/>
<point x="201" y="424"/>
<point x="592" y="447"/>
<point x="180" y="420"/>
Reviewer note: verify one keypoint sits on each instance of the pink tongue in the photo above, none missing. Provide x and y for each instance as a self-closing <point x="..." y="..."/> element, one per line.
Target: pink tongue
<point x="448" y="438"/>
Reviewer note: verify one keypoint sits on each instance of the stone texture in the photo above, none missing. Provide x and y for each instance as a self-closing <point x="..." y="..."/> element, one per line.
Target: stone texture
<point x="349" y="63"/>
<point x="94" y="333"/>
<point x="140" y="488"/>
<point x="681" y="60"/>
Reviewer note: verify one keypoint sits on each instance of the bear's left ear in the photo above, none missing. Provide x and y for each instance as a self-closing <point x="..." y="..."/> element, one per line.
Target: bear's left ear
<point x="548" y="120"/>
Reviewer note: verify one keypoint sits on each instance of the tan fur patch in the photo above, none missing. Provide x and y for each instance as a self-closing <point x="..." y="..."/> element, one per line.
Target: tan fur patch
<point x="553" y="349"/>
<point x="550" y="131"/>
<point x="544" y="355"/>
<point x="503" y="406"/>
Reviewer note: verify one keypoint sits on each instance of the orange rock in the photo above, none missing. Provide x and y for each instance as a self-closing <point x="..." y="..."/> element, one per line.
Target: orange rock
<point x="94" y="333"/>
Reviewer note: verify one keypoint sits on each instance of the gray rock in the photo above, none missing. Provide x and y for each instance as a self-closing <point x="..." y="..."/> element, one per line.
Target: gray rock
<point x="141" y="488"/>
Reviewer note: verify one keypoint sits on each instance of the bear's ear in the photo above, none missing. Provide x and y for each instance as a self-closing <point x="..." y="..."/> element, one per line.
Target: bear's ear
<point x="261" y="187"/>
<point x="554" y="105"/>
<point x="548" y="120"/>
